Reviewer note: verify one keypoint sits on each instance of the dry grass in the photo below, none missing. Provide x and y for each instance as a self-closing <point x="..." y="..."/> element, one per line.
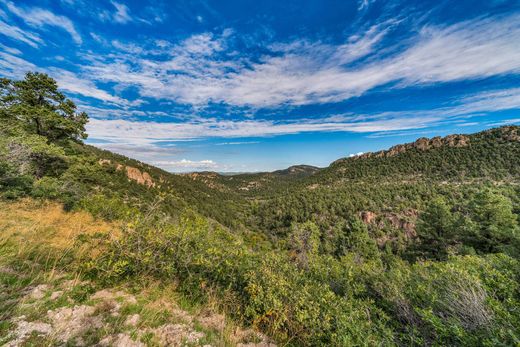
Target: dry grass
<point x="46" y="223"/>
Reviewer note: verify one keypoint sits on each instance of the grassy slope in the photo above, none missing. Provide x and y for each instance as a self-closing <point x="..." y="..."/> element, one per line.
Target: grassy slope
<point x="40" y="260"/>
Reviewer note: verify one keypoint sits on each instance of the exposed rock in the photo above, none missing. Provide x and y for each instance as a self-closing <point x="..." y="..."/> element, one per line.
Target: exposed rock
<point x="133" y="320"/>
<point x="39" y="291"/>
<point x="510" y="134"/>
<point x="208" y="178"/>
<point x="251" y="185"/>
<point x="456" y="140"/>
<point x="368" y="217"/>
<point x="176" y="334"/>
<point x="421" y="144"/>
<point x="401" y="223"/>
<point x="8" y="270"/>
<point x="251" y="338"/>
<point x="213" y="321"/>
<point x="140" y="177"/>
<point x="404" y="221"/>
<point x="104" y="162"/>
<point x="132" y="173"/>
<point x="120" y="340"/>
<point x="24" y="329"/>
<point x="436" y="142"/>
<point x="313" y="186"/>
<point x="55" y="295"/>
<point x="181" y="315"/>
<point x="70" y="322"/>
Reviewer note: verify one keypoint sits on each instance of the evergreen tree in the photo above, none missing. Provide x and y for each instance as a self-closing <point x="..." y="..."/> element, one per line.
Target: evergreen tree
<point x="36" y="105"/>
<point x="304" y="241"/>
<point x="436" y="230"/>
<point x="358" y="241"/>
<point x="496" y="224"/>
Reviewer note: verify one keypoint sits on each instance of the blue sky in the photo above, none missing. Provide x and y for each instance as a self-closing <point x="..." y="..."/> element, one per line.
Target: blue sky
<point x="262" y="85"/>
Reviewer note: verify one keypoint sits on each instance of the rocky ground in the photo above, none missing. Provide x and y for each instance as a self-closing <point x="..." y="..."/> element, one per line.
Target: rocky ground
<point x="71" y="312"/>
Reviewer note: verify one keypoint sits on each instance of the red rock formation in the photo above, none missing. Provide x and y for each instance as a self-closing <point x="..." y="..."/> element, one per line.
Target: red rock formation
<point x="140" y="177"/>
<point x="368" y="217"/>
<point x="421" y="144"/>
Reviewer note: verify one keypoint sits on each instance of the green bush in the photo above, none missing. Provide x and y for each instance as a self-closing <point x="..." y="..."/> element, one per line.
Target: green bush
<point x="468" y="300"/>
<point x="108" y="208"/>
<point x="47" y="187"/>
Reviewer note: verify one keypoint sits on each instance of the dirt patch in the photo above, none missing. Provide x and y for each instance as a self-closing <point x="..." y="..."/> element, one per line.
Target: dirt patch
<point x="176" y="334"/>
<point x="213" y="321"/>
<point x="108" y="295"/>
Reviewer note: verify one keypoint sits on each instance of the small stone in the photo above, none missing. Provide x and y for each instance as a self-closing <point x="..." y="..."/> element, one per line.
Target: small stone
<point x="132" y="320"/>
<point x="55" y="295"/>
<point x="39" y="292"/>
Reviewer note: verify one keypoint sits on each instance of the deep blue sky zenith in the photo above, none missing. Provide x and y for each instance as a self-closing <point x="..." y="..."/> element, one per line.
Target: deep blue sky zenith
<point x="245" y="85"/>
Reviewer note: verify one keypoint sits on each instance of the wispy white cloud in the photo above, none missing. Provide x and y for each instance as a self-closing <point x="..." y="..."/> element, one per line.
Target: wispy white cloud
<point x="13" y="66"/>
<point x="15" y="33"/>
<point x="138" y="133"/>
<point x="10" y="50"/>
<point x="122" y="14"/>
<point x="38" y="17"/>
<point x="364" y="4"/>
<point x="185" y="165"/>
<point x="202" y="68"/>
<point x="504" y="122"/>
<point x="71" y="83"/>
<point x="494" y="100"/>
<point x="236" y="143"/>
<point x="355" y="154"/>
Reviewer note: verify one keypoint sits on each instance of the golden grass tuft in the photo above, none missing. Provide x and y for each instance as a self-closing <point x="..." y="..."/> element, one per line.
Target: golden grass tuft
<point x="46" y="223"/>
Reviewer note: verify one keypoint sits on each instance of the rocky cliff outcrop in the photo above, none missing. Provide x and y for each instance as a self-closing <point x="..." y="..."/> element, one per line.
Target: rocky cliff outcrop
<point x="132" y="173"/>
<point x="510" y="133"/>
<point x="421" y="144"/>
<point x="140" y="177"/>
<point x="404" y="221"/>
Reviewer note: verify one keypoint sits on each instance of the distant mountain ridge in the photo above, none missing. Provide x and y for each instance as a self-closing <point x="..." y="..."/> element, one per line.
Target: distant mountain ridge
<point x="298" y="170"/>
<point x="508" y="133"/>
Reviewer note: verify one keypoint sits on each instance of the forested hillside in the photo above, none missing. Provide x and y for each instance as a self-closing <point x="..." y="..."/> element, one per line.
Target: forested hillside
<point x="417" y="245"/>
